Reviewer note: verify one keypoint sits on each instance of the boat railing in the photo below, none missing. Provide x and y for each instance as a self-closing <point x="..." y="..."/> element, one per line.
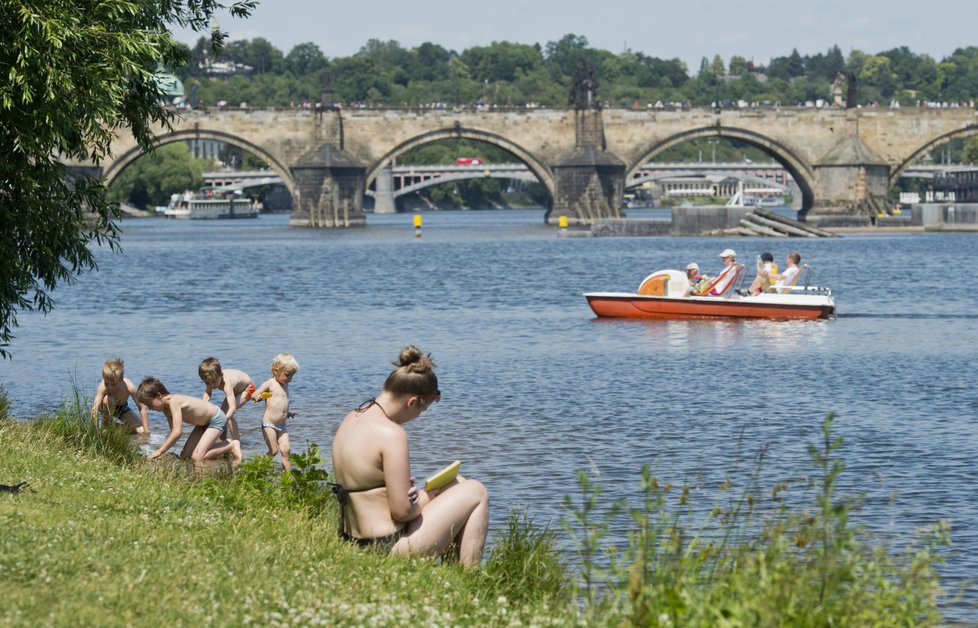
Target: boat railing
<point x="806" y="286"/>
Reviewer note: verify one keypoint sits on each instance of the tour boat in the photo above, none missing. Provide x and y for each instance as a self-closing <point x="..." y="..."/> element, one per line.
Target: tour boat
<point x="192" y="207"/>
<point x="664" y="294"/>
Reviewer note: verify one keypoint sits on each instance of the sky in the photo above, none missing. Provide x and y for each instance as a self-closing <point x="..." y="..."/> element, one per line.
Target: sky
<point x="668" y="29"/>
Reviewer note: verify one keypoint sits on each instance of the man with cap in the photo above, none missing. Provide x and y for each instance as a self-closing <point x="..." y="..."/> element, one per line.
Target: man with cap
<point x="766" y="269"/>
<point x="729" y="257"/>
<point x="696" y="281"/>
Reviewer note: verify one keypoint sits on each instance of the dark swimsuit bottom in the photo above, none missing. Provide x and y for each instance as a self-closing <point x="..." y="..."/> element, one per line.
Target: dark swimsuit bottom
<point x="382" y="543"/>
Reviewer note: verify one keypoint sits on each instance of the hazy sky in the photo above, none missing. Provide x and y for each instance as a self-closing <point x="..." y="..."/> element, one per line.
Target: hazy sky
<point x="687" y="29"/>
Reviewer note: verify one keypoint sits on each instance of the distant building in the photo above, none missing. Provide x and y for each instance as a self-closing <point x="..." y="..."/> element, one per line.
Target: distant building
<point x="225" y="69"/>
<point x="959" y="186"/>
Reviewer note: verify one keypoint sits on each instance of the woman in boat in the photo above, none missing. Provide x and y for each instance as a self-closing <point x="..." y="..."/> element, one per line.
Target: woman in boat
<point x="727" y="275"/>
<point x="380" y="506"/>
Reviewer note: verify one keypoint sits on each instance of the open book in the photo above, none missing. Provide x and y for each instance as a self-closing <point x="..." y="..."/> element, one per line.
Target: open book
<point x="443" y="477"/>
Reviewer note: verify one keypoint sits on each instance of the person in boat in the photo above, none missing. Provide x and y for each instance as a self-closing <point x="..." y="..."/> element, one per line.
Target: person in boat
<point x="697" y="281"/>
<point x="784" y="281"/>
<point x="727" y="275"/>
<point x="379" y="505"/>
<point x="765" y="268"/>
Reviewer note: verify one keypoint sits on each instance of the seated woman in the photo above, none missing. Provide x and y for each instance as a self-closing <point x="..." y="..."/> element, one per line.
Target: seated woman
<point x="380" y="506"/>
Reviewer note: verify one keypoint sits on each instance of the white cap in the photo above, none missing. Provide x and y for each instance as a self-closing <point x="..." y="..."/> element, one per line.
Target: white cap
<point x="728" y="253"/>
<point x="692" y="266"/>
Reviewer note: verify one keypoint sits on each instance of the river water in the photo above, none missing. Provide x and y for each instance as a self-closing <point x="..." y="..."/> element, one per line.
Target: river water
<point x="534" y="387"/>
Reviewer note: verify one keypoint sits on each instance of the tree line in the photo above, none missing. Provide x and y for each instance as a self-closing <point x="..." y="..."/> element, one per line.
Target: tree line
<point x="506" y="74"/>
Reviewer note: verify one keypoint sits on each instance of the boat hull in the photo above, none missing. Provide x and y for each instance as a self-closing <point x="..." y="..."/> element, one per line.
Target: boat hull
<point x="772" y="306"/>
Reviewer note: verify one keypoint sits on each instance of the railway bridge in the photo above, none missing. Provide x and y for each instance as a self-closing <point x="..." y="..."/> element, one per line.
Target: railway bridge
<point x="844" y="161"/>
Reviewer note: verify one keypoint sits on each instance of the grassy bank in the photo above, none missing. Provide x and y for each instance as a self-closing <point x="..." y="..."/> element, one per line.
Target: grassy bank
<point x="104" y="538"/>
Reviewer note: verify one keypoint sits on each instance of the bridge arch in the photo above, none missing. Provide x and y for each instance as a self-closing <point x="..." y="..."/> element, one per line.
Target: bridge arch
<point x="540" y="170"/>
<point x="967" y="131"/>
<point x="459" y="176"/>
<point x="797" y="167"/>
<point x="125" y="159"/>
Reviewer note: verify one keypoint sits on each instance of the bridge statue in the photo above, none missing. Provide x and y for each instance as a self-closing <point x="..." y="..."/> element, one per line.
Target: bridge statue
<point x="326" y="89"/>
<point x="584" y="87"/>
<point x="840" y="80"/>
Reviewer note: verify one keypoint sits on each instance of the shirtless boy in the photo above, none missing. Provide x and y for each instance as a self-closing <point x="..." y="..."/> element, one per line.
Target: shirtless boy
<point x="273" y="427"/>
<point x="112" y="396"/>
<point x="236" y="386"/>
<point x="205" y="441"/>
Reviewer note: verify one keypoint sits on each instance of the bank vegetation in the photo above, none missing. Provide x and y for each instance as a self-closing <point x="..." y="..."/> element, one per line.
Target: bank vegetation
<point x="99" y="537"/>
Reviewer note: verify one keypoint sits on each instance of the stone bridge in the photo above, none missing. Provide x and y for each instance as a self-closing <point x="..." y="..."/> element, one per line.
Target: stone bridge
<point x="844" y="161"/>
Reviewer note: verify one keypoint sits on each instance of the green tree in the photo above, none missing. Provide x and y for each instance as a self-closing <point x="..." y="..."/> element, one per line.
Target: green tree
<point x="738" y="65"/>
<point x="969" y="155"/>
<point x="74" y="74"/>
<point x="305" y="59"/>
<point x="152" y="178"/>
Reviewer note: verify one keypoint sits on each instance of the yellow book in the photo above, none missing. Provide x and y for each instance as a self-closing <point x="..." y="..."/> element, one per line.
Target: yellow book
<point x="443" y="477"/>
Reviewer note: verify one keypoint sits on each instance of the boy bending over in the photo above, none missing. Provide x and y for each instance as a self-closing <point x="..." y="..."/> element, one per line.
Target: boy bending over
<point x="206" y="441"/>
<point x="112" y="396"/>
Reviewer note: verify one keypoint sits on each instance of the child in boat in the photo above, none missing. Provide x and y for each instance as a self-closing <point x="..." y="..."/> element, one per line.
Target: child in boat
<point x="112" y="396"/>
<point x="273" y="423"/>
<point x="236" y="385"/>
<point x="765" y="269"/>
<point x="206" y="441"/>
<point x="697" y="281"/>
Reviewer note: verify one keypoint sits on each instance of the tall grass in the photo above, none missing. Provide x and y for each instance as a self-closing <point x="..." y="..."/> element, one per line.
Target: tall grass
<point x="749" y="564"/>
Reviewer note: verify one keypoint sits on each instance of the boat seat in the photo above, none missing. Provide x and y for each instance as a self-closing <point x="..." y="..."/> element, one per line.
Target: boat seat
<point x="664" y="283"/>
<point x="735" y="269"/>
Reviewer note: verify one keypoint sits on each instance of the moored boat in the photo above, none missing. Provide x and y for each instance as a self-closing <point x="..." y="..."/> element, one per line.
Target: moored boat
<point x="664" y="295"/>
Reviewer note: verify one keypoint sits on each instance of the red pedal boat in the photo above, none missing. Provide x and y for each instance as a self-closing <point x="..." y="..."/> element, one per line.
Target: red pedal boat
<point x="665" y="295"/>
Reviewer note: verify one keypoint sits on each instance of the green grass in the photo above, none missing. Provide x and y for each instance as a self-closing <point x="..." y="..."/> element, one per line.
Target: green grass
<point x="104" y="538"/>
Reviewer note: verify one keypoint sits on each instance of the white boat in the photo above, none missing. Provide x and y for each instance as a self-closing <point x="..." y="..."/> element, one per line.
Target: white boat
<point x="189" y="207"/>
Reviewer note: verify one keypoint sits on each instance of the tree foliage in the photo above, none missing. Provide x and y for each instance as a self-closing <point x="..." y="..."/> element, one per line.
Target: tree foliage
<point x="74" y="73"/>
<point x="152" y="178"/>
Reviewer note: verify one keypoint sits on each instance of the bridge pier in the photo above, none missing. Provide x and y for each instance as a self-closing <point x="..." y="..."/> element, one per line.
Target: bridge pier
<point x="384" y="192"/>
<point x="329" y="186"/>
<point x="851" y="185"/>
<point x="589" y="182"/>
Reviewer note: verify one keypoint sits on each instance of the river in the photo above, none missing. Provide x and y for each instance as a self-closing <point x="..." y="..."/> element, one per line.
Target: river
<point x="534" y="387"/>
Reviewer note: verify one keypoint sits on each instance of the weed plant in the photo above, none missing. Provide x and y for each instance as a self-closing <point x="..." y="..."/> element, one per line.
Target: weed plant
<point x="747" y="565"/>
